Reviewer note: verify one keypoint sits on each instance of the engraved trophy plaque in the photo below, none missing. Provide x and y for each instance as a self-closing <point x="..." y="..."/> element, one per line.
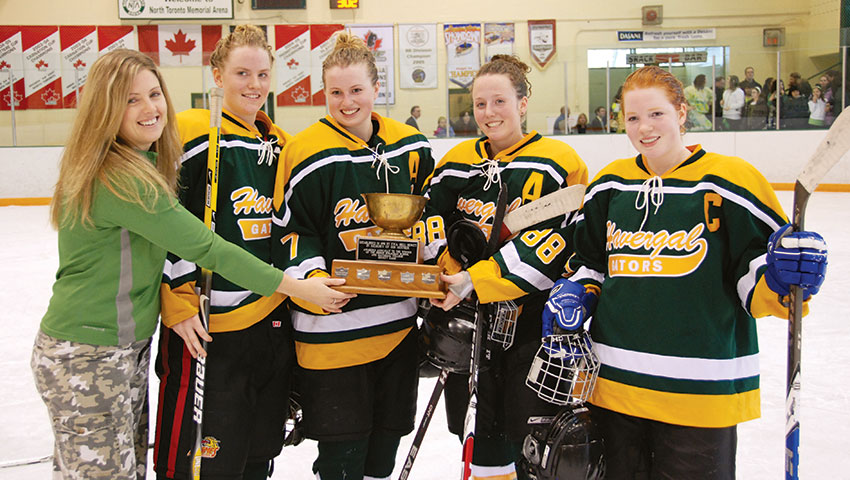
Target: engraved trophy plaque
<point x="390" y="263"/>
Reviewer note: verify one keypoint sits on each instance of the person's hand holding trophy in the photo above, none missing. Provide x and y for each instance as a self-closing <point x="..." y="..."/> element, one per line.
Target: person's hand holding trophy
<point x="390" y="263"/>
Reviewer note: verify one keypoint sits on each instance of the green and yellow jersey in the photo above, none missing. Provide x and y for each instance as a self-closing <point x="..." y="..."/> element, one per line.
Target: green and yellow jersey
<point x="679" y="260"/>
<point x="319" y="213"/>
<point x="248" y="162"/>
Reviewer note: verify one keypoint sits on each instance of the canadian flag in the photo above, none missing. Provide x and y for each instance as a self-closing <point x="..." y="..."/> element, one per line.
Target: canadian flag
<point x="322" y="40"/>
<point x="292" y="45"/>
<point x="11" y="68"/>
<point x="178" y="45"/>
<point x="42" y="57"/>
<point x="113" y="37"/>
<point x="79" y="51"/>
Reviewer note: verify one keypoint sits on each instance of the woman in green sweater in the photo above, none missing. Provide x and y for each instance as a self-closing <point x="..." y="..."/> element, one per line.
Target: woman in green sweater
<point x="116" y="212"/>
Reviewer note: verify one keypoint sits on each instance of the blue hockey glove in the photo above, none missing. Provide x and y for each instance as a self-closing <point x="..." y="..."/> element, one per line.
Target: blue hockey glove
<point x="796" y="258"/>
<point x="569" y="305"/>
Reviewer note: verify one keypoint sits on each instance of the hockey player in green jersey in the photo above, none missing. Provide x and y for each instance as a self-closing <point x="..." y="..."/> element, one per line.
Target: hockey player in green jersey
<point x="358" y="368"/>
<point x="465" y="187"/>
<point x="251" y="354"/>
<point x="682" y="247"/>
<point x="115" y="208"/>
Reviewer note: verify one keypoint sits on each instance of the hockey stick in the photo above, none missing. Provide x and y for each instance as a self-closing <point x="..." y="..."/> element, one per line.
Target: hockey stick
<point x="548" y="206"/>
<point x="213" y="157"/>
<point x="478" y="342"/>
<point x="828" y="153"/>
<point x="423" y="424"/>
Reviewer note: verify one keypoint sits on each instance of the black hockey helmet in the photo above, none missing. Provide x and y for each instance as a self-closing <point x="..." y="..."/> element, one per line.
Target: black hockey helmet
<point x="446" y="337"/>
<point x="566" y="446"/>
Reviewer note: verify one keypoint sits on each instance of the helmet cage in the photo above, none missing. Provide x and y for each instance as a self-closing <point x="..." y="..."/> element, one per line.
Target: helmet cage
<point x="565" y="368"/>
<point x="503" y="325"/>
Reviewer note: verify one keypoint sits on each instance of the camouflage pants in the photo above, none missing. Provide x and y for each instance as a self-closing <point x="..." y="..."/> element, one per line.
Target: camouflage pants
<point x="97" y="398"/>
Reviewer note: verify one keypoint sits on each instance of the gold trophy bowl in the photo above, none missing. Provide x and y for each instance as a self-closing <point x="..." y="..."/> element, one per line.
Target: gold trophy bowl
<point x="394" y="212"/>
<point x="390" y="263"/>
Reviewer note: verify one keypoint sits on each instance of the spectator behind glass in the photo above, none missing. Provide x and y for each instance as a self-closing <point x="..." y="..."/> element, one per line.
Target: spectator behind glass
<point x="597" y="125"/>
<point x="793" y="110"/>
<point x="755" y="110"/>
<point x="443" y="129"/>
<point x="733" y="103"/>
<point x="561" y="123"/>
<point x="749" y="79"/>
<point x="581" y="124"/>
<point x="465" y="126"/>
<point x="719" y="87"/>
<point x="699" y="100"/>
<point x="796" y="80"/>
<point x="837" y="93"/>
<point x="817" y="108"/>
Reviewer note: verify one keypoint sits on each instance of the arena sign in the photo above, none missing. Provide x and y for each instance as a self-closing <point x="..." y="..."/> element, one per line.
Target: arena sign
<point x="659" y="58"/>
<point x="174" y="9"/>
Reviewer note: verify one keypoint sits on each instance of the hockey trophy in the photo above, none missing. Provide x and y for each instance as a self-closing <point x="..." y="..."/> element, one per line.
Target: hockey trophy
<point x="390" y="263"/>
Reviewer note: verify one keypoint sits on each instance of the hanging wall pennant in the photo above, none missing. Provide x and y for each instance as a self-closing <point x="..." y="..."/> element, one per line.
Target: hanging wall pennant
<point x="541" y="41"/>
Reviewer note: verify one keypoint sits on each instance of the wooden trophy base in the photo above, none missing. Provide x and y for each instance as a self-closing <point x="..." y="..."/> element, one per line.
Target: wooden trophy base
<point x="396" y="279"/>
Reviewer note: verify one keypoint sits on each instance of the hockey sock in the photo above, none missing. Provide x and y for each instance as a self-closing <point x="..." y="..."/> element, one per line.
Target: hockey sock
<point x="381" y="456"/>
<point x="341" y="460"/>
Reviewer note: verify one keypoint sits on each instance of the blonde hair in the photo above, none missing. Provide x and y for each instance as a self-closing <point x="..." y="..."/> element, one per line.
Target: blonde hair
<point x="241" y="36"/>
<point x="513" y="68"/>
<point x="96" y="152"/>
<point x="350" y="50"/>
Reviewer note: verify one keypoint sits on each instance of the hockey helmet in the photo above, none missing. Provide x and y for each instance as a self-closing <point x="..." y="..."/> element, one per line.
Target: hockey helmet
<point x="446" y="337"/>
<point x="466" y="242"/>
<point x="566" y="446"/>
<point x="564" y="369"/>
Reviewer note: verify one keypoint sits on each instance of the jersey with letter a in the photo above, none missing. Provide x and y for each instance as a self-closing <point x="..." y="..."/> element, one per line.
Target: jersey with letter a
<point x="680" y="261"/>
<point x="531" y="168"/>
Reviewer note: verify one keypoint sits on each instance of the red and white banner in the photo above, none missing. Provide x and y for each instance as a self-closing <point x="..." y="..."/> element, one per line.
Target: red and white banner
<point x="379" y="39"/>
<point x="321" y="44"/>
<point x="541" y="41"/>
<point x="113" y="37"/>
<point x="42" y="61"/>
<point x="11" y="68"/>
<point x="79" y="51"/>
<point x="178" y="45"/>
<point x="292" y="49"/>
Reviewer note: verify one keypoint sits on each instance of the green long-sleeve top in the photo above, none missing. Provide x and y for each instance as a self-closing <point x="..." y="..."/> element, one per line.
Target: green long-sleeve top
<point x="107" y="286"/>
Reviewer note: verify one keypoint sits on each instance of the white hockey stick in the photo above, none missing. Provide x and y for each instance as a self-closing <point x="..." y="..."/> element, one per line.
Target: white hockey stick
<point x="834" y="146"/>
<point x="548" y="206"/>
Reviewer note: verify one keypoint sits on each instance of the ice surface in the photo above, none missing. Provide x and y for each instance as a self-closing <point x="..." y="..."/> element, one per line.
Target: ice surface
<point x="28" y="262"/>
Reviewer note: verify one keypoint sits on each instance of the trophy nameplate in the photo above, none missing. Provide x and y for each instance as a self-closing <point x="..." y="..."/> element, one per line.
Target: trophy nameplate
<point x="390" y="263"/>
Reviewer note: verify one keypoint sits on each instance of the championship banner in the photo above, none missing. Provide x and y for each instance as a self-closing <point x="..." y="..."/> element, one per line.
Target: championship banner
<point x="178" y="45"/>
<point x="42" y="61"/>
<point x="113" y="37"/>
<point x="379" y="39"/>
<point x="292" y="52"/>
<point x="321" y="44"/>
<point x="417" y="56"/>
<point x="79" y="51"/>
<point x="541" y="41"/>
<point x="11" y="62"/>
<point x="498" y="39"/>
<point x="463" y="42"/>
